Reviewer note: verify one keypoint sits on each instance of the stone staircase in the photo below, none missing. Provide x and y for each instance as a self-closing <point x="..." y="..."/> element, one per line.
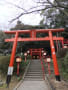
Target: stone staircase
<point x="34" y="71"/>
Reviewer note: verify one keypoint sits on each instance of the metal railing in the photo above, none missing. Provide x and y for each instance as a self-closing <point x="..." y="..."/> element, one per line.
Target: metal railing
<point x="43" y="69"/>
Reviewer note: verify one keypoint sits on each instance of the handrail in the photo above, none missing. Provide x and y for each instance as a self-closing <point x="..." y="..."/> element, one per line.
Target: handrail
<point x="43" y="69"/>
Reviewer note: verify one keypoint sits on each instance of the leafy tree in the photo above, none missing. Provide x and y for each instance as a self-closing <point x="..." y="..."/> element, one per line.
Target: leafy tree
<point x="56" y="18"/>
<point x="3" y="44"/>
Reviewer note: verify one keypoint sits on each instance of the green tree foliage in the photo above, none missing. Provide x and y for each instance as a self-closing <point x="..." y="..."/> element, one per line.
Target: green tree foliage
<point x="4" y="62"/>
<point x="62" y="56"/>
<point x="64" y="66"/>
<point x="3" y="44"/>
<point x="56" y="18"/>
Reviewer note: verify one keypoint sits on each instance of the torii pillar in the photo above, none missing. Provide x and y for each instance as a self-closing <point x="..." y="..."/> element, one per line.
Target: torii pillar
<point x="56" y="70"/>
<point x="10" y="68"/>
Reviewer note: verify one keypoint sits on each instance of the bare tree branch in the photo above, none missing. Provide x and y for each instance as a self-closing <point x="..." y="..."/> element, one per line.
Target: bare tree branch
<point x="29" y="13"/>
<point x="31" y="10"/>
<point x="51" y="3"/>
<point x="36" y="7"/>
<point x="41" y="2"/>
<point x="17" y="6"/>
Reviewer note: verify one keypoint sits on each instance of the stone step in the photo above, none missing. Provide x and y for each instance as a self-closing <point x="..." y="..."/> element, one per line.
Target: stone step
<point x="34" y="74"/>
<point x="33" y="79"/>
<point x="37" y="63"/>
<point x="35" y="66"/>
<point x="35" y="60"/>
<point x="35" y="71"/>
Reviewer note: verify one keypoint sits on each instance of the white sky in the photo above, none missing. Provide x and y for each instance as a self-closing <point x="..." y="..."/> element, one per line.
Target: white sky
<point x="8" y="12"/>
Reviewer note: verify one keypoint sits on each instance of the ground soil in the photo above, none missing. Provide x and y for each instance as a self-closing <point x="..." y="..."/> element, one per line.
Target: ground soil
<point x="14" y="81"/>
<point x="58" y="85"/>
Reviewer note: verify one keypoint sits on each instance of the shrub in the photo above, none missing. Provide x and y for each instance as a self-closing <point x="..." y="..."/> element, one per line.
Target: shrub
<point x="4" y="62"/>
<point x="63" y="66"/>
<point x="66" y="62"/>
<point x="62" y="52"/>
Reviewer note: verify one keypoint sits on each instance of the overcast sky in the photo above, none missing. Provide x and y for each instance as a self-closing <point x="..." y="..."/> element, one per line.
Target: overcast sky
<point x="8" y="12"/>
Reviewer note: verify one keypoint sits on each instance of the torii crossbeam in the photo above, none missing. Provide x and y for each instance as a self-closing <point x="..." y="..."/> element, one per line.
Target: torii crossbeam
<point x="33" y="37"/>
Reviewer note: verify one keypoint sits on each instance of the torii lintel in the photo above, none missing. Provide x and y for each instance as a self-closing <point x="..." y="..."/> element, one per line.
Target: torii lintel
<point x="36" y="30"/>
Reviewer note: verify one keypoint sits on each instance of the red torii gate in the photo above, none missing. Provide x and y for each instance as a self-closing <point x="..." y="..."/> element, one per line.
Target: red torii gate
<point x="33" y="37"/>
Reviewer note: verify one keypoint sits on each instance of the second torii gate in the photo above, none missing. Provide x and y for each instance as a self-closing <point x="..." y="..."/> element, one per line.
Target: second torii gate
<point x="36" y="52"/>
<point x="33" y="37"/>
